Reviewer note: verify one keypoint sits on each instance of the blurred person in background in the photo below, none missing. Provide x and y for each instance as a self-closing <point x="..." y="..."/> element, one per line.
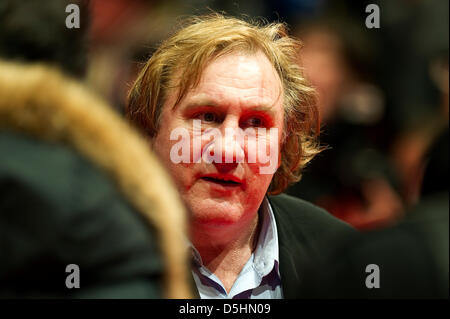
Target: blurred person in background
<point x="353" y="178"/>
<point x="69" y="191"/>
<point x="412" y="256"/>
<point x="417" y="85"/>
<point x="123" y="34"/>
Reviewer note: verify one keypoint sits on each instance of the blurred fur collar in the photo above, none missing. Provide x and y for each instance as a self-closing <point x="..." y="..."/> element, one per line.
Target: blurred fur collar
<point x="38" y="100"/>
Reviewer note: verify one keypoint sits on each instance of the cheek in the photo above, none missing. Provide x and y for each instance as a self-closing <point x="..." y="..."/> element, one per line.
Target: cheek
<point x="263" y="153"/>
<point x="181" y="172"/>
<point x="260" y="181"/>
<point x="161" y="146"/>
<point x="183" y="175"/>
<point x="257" y="183"/>
<point x="256" y="190"/>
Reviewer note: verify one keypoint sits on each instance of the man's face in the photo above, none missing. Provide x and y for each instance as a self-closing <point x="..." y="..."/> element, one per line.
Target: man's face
<point x="235" y="91"/>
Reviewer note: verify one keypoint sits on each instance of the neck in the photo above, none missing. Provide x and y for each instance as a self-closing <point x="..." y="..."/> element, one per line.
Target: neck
<point x="226" y="249"/>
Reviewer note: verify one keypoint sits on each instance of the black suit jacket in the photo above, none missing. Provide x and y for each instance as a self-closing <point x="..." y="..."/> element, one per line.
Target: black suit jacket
<point x="304" y="231"/>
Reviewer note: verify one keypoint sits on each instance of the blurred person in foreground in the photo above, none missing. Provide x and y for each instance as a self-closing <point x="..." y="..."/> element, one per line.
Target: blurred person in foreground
<point x="209" y="93"/>
<point x="69" y="191"/>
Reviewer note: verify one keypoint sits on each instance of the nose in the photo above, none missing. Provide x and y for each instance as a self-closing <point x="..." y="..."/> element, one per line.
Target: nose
<point x="228" y="159"/>
<point x="230" y="147"/>
<point x="225" y="167"/>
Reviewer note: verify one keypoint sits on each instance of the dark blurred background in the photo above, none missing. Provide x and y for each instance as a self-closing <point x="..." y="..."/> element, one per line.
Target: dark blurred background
<point x="383" y="92"/>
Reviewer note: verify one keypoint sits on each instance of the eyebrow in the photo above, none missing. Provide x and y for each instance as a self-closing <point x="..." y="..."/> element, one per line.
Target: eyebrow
<point x="203" y="100"/>
<point x="200" y="101"/>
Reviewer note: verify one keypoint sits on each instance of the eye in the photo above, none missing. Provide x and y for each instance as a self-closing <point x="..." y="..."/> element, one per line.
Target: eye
<point x="208" y="117"/>
<point x="254" y="122"/>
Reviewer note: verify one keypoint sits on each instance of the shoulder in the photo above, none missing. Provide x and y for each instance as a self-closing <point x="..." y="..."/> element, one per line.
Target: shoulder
<point x="297" y="215"/>
<point x="70" y="180"/>
<point x="287" y="202"/>
<point x="293" y="208"/>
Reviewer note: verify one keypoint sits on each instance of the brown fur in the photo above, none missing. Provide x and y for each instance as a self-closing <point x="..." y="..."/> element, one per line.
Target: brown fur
<point x="37" y="100"/>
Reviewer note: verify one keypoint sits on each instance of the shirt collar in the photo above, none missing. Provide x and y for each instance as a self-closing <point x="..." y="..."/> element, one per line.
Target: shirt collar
<point x="266" y="255"/>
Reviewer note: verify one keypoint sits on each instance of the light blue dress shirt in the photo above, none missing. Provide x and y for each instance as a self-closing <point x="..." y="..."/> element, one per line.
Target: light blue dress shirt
<point x="260" y="277"/>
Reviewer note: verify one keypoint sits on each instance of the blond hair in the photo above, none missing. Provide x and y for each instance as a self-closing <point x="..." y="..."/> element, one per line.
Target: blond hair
<point x="207" y="37"/>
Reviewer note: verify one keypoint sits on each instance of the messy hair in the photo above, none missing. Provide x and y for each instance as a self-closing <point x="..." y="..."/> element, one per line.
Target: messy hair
<point x="179" y="61"/>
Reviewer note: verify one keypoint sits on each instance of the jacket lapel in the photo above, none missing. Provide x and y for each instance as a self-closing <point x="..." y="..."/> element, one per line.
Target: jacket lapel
<point x="292" y="254"/>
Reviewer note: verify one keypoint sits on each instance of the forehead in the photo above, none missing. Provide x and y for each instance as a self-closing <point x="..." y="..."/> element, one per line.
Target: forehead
<point x="248" y="79"/>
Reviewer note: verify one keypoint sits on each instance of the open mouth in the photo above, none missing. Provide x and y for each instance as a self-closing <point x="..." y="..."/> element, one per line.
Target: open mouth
<point x="221" y="181"/>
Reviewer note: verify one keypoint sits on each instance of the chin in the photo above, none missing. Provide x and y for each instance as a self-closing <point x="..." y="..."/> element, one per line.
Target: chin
<point x="214" y="215"/>
<point x="212" y="223"/>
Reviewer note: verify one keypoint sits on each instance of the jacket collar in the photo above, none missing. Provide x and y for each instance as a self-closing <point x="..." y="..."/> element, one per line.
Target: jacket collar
<point x="292" y="255"/>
